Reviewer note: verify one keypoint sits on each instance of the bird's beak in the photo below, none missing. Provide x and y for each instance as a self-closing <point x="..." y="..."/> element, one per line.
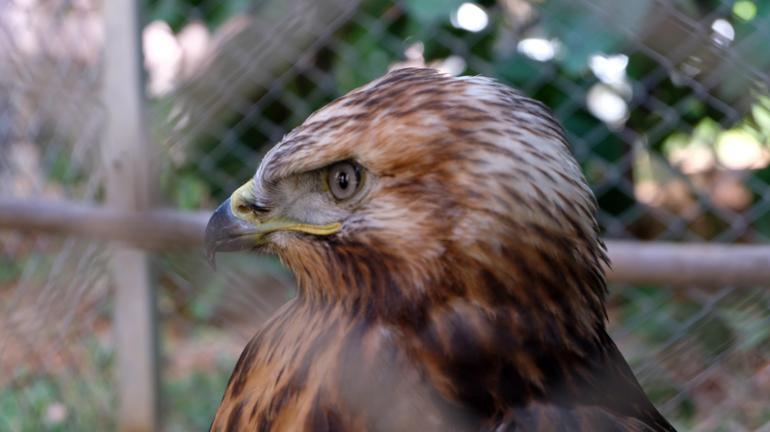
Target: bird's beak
<point x="234" y="227"/>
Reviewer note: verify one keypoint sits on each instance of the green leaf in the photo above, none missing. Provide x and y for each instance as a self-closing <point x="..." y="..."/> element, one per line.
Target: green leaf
<point x="190" y="191"/>
<point x="761" y="112"/>
<point x="584" y="31"/>
<point x="429" y="11"/>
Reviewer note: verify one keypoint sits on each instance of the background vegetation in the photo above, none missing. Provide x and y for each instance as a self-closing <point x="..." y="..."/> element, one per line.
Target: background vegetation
<point x="665" y="102"/>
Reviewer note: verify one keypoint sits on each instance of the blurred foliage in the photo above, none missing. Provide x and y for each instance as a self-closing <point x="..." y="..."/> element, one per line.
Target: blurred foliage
<point x="660" y="110"/>
<point x="10" y="270"/>
<point x="178" y="12"/>
<point x="723" y="329"/>
<point x="36" y="401"/>
<point x="669" y="111"/>
<point x="194" y="398"/>
<point x="683" y="97"/>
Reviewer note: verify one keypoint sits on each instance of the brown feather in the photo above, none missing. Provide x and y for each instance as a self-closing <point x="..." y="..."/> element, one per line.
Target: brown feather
<point x="465" y="293"/>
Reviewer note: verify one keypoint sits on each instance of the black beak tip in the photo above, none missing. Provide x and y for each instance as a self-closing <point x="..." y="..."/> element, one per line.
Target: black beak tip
<point x="216" y="228"/>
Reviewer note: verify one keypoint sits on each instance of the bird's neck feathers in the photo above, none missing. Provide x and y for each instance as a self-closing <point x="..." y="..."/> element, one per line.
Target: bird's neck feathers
<point x="525" y="315"/>
<point x="534" y="279"/>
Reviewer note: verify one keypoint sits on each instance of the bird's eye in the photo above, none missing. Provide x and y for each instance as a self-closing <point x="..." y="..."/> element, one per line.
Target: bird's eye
<point x="344" y="179"/>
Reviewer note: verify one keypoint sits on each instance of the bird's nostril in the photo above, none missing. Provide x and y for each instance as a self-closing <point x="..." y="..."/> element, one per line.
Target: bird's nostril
<point x="243" y="209"/>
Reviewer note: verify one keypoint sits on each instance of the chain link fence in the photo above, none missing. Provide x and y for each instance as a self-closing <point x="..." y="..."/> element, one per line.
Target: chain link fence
<point x="665" y="102"/>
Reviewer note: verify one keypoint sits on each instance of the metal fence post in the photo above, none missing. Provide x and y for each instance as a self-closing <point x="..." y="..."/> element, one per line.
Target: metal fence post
<point x="129" y="168"/>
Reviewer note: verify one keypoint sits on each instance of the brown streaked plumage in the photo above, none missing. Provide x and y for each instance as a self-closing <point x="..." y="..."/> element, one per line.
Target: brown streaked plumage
<point x="460" y="287"/>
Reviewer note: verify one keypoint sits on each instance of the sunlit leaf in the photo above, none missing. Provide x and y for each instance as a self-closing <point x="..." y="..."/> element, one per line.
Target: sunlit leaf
<point x="761" y="113"/>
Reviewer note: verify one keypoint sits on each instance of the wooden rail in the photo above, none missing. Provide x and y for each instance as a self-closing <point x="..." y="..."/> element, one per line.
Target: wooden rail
<point x="151" y="230"/>
<point x="673" y="264"/>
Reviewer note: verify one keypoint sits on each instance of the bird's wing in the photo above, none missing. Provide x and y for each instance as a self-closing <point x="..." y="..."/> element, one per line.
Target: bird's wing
<point x="476" y="361"/>
<point x="550" y="417"/>
<point x="617" y="388"/>
<point x="601" y="394"/>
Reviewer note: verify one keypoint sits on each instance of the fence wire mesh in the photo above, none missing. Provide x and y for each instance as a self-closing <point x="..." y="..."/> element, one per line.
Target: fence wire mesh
<point x="665" y="102"/>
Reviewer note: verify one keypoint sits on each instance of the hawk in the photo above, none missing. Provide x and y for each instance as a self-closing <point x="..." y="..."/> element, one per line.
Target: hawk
<point x="449" y="267"/>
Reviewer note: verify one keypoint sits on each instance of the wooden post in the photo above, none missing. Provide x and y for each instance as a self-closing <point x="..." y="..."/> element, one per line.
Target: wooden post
<point x="130" y="176"/>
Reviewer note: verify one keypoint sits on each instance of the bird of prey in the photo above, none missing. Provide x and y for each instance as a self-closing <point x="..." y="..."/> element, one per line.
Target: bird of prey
<point x="449" y="267"/>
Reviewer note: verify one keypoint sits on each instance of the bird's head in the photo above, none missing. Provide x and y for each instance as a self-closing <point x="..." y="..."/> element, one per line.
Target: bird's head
<point x="421" y="185"/>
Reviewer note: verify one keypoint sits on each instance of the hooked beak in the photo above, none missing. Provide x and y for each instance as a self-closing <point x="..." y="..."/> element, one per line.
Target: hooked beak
<point x="234" y="226"/>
